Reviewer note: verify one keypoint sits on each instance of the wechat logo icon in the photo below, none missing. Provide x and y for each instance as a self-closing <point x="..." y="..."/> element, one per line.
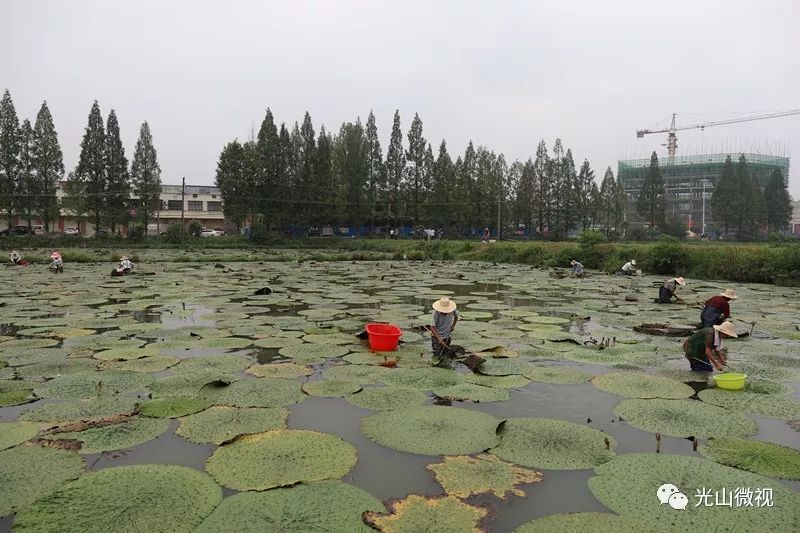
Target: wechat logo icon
<point x="672" y="496"/>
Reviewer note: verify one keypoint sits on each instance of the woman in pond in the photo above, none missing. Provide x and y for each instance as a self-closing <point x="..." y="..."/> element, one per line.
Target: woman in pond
<point x="445" y="318"/>
<point x="57" y="264"/>
<point x="16" y="258"/>
<point x="704" y="348"/>
<point x="577" y="268"/>
<point x="717" y="308"/>
<point x="667" y="291"/>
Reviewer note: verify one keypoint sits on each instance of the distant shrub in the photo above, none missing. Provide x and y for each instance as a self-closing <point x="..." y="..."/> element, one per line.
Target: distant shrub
<point x="668" y="257"/>
<point x="194" y="229"/>
<point x="174" y="233"/>
<point x="135" y="233"/>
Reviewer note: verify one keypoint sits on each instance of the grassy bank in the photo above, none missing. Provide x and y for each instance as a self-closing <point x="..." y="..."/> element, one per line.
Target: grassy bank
<point x="754" y="262"/>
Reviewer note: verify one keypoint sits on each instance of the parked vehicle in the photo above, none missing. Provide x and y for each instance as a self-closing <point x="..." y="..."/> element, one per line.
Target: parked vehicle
<point x="102" y="232"/>
<point x="38" y="229"/>
<point x="205" y="232"/>
<point x="71" y="232"/>
<point x="16" y="231"/>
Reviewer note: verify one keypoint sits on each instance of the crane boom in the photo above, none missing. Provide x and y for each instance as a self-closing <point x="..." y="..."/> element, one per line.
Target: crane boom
<point x="672" y="138"/>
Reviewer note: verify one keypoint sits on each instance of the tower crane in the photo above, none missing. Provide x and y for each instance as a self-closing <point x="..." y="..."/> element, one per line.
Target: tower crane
<point x="672" y="138"/>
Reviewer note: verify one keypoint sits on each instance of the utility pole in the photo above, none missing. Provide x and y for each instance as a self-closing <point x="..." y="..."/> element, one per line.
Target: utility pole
<point x="498" y="219"/>
<point x="158" y="214"/>
<point x="183" y="205"/>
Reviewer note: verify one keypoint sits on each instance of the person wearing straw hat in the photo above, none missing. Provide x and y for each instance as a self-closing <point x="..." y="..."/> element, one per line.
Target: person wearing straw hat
<point x="667" y="291"/>
<point x="57" y="265"/>
<point x="16" y="258"/>
<point x="717" y="308"/>
<point x="629" y="268"/>
<point x="577" y="268"/>
<point x="125" y="264"/>
<point x="445" y="318"/>
<point x="704" y="349"/>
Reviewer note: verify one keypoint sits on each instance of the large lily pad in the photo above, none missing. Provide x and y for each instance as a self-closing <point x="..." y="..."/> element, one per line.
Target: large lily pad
<point x="190" y="383"/>
<point x="280" y="457"/>
<point x="86" y="385"/>
<point x="385" y="398"/>
<point x="317" y="506"/>
<point x="173" y="406"/>
<point x="755" y="456"/>
<point x="258" y="392"/>
<point x="13" y="433"/>
<point x="16" y="397"/>
<point x="514" y="381"/>
<point x="553" y="444"/>
<point x="221" y="423"/>
<point x="77" y="410"/>
<point x="154" y="363"/>
<point x="634" y="385"/>
<point x="279" y="370"/>
<point x="463" y="476"/>
<point x="425" y="378"/>
<point x="581" y="522"/>
<point x="418" y="513"/>
<point x="361" y="374"/>
<point x="220" y="363"/>
<point x="432" y="430"/>
<point x="627" y="485"/>
<point x="30" y="472"/>
<point x="505" y="367"/>
<point x="127" y="434"/>
<point x="684" y="418"/>
<point x="153" y="498"/>
<point x="472" y="392"/>
<point x="313" y="352"/>
<point x="558" y="375"/>
<point x="330" y="388"/>
<point x="752" y="402"/>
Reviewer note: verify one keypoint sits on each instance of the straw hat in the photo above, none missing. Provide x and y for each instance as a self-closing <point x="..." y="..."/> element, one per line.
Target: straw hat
<point x="680" y="281"/>
<point x="729" y="293"/>
<point x="123" y="258"/>
<point x="55" y="255"/>
<point x="727" y="328"/>
<point x="633" y="262"/>
<point x="573" y="262"/>
<point x="444" y="305"/>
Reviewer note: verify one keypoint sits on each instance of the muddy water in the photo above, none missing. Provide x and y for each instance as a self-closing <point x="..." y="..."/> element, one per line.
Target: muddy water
<point x="390" y="474"/>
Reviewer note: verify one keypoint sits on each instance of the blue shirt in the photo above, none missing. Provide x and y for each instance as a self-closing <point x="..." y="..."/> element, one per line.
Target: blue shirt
<point x="443" y="322"/>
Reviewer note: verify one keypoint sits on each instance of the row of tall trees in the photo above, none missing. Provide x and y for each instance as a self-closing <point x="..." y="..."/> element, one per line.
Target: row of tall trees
<point x="31" y="166"/>
<point x="287" y="176"/>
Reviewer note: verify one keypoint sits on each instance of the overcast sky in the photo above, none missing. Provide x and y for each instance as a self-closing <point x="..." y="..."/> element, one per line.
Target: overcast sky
<point x="504" y="74"/>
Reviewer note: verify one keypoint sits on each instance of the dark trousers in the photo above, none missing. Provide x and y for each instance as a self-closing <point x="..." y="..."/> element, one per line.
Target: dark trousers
<point x="711" y="316"/>
<point x="664" y="295"/>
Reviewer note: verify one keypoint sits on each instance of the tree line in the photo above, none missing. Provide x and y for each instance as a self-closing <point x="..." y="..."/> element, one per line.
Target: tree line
<point x="31" y="166"/>
<point x="739" y="205"/>
<point x="290" y="175"/>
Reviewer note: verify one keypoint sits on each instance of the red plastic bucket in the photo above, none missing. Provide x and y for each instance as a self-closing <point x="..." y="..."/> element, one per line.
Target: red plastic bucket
<point x="383" y="337"/>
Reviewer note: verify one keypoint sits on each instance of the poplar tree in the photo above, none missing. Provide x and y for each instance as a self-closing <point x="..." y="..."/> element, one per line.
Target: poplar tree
<point x="585" y="195"/>
<point x="327" y="211"/>
<point x="350" y="163"/>
<point x="146" y="174"/>
<point x="416" y="158"/>
<point x="118" y="190"/>
<point x="429" y="161"/>
<point x="748" y="203"/>
<point x="543" y="187"/>
<point x="231" y="182"/>
<point x="651" y="202"/>
<point x="283" y="185"/>
<point x="306" y="177"/>
<point x="443" y="185"/>
<point x="525" y="193"/>
<point x="607" y="202"/>
<point x="395" y="167"/>
<point x="87" y="184"/>
<point x="48" y="163"/>
<point x="10" y="147"/>
<point x="376" y="172"/>
<point x="28" y="190"/>
<point x="724" y="197"/>
<point x="777" y="202"/>
<point x="269" y="152"/>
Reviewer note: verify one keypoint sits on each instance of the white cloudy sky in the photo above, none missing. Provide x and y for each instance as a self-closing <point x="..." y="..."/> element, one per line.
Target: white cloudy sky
<point x="502" y="73"/>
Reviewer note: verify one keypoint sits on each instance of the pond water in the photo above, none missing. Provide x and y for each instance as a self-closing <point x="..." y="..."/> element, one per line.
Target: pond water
<point x="181" y="311"/>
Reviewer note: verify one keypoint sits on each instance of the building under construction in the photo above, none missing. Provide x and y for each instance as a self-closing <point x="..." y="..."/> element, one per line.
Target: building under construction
<point x="690" y="181"/>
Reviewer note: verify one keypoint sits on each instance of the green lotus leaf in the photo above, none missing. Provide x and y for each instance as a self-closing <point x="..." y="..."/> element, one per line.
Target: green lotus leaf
<point x="55" y="368"/>
<point x="463" y="476"/>
<point x="330" y="338"/>
<point x="686" y="376"/>
<point x="317" y="506"/>
<point x="553" y="444"/>
<point x="277" y="342"/>
<point x="445" y="514"/>
<point x="27" y="343"/>
<point x="361" y="374"/>
<point x="533" y="319"/>
<point x="766" y="386"/>
<point x="219" y="363"/>
<point x="126" y="434"/>
<point x="30" y="472"/>
<point x="189" y="383"/>
<point x="426" y="378"/>
<point x="580" y="522"/>
<point x="126" y="354"/>
<point x="279" y="370"/>
<point x="627" y="485"/>
<point x="152" y="498"/>
<point x="513" y="381"/>
<point x="16" y="397"/>
<point x="385" y="398"/>
<point x="280" y="457"/>
<point x="432" y="430"/>
<point x="257" y="392"/>
<point x="313" y="352"/>
<point x="752" y="402"/>
<point x="504" y="367"/>
<point x="755" y="456"/>
<point x="86" y="385"/>
<point x="173" y="406"/>
<point x="558" y="375"/>
<point x="221" y="423"/>
<point x="634" y="385"/>
<point x="684" y="418"/>
<point x="472" y="392"/>
<point x="330" y="388"/>
<point x="223" y="343"/>
<point x="77" y="410"/>
<point x="13" y="433"/>
<point x="154" y="363"/>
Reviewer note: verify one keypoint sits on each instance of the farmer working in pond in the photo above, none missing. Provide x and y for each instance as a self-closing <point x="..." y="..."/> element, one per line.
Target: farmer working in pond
<point x="15" y="257"/>
<point x="667" y="291"/>
<point x="445" y="318"/>
<point x="629" y="268"/>
<point x="704" y="348"/>
<point x="717" y="308"/>
<point x="125" y="265"/>
<point x="577" y="268"/>
<point x="57" y="264"/>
